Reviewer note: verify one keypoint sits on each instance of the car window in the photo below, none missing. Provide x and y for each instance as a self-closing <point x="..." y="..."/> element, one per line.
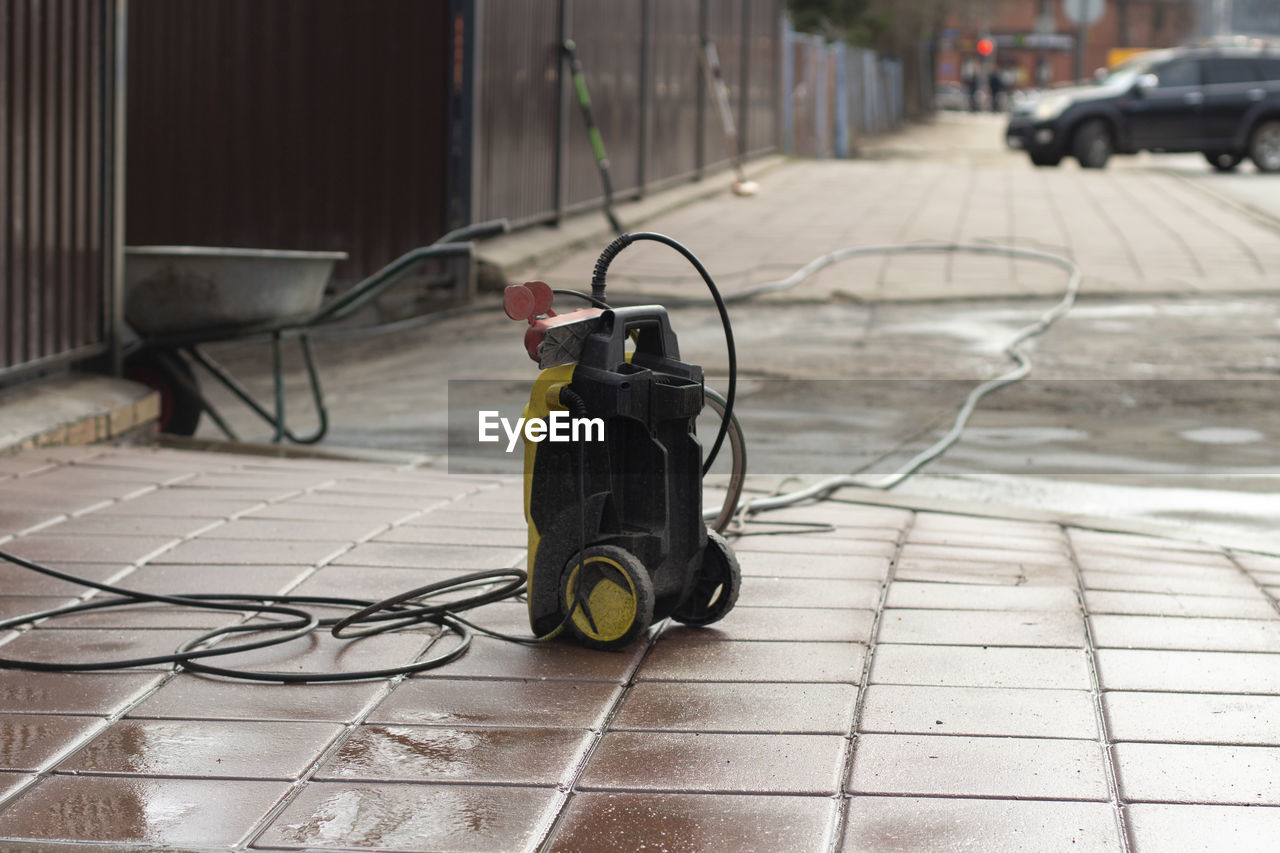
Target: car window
<point x="1229" y="70"/>
<point x="1269" y="66"/>
<point x="1180" y="72"/>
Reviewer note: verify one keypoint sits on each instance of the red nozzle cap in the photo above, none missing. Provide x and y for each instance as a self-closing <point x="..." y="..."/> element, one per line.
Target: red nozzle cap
<point x="527" y="301"/>
<point x="518" y="302"/>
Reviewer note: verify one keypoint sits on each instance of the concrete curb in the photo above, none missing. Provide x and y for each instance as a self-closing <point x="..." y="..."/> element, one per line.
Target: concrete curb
<point x="75" y="409"/>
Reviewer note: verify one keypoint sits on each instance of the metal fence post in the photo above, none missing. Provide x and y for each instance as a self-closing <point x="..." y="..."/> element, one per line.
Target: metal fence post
<point x="464" y="119"/>
<point x="646" y="90"/>
<point x="700" y="155"/>
<point x="113" y="247"/>
<point x="562" y="114"/>
<point x="744" y="85"/>
<point x="820" y="98"/>
<point x="788" y="87"/>
<point x="842" y="104"/>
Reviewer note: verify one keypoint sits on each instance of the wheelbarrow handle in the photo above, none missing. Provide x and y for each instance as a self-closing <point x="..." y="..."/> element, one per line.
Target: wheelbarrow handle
<point x="476" y="231"/>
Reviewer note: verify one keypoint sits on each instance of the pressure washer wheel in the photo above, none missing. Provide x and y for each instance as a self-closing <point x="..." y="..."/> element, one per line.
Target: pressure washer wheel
<point x="715" y="587"/>
<point x="609" y="597"/>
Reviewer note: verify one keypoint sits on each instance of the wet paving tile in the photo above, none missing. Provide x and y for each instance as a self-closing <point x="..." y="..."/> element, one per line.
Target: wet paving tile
<point x="294" y="511"/>
<point x="962" y="596"/>
<point x="998" y="553"/>
<point x="934" y="570"/>
<point x="714" y="660"/>
<point x="146" y="617"/>
<point x="1167" y="828"/>
<point x="1164" y="604"/>
<point x="204" y="749"/>
<point x="15" y="521"/>
<point x="826" y="593"/>
<point x="994" y="528"/>
<point x="487" y="702"/>
<point x="973" y="666"/>
<point x="694" y="823"/>
<point x="16" y="580"/>
<point x="250" y="552"/>
<point x="949" y="825"/>
<point x="509" y="756"/>
<point x="88" y="693"/>
<point x="53" y="547"/>
<point x="369" y="583"/>
<point x="448" y="516"/>
<point x="1188" y="672"/>
<point x="1033" y="768"/>
<point x="802" y="548"/>
<point x="419" y="535"/>
<point x="93" y="645"/>
<point x="983" y="628"/>
<point x="842" y="566"/>
<point x="728" y="763"/>
<point x="1054" y="543"/>
<point x="463" y="818"/>
<point x="1193" y="718"/>
<point x="729" y="707"/>
<point x="170" y="579"/>
<point x="260" y="529"/>
<point x="557" y="661"/>
<point x="401" y="555"/>
<point x="99" y="524"/>
<point x="1187" y="633"/>
<point x="13" y="606"/>
<point x="1179" y="773"/>
<point x="1239" y="585"/>
<point x="897" y="709"/>
<point x="32" y="742"/>
<point x="195" y="697"/>
<point x="191" y="812"/>
<point x="188" y="504"/>
<point x="783" y="623"/>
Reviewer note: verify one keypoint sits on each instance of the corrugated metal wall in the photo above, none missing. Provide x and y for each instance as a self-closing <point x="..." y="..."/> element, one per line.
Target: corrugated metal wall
<point x="292" y="124"/>
<point x="643" y="69"/>
<point x="55" y="122"/>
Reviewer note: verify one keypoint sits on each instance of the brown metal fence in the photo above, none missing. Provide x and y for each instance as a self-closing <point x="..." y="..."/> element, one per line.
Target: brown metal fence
<point x="56" y="96"/>
<point x="649" y="97"/>
<point x="293" y="124"/>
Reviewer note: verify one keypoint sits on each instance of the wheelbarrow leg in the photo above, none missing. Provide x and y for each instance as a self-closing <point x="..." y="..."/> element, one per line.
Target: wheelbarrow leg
<point x="277" y="421"/>
<point x="277" y="365"/>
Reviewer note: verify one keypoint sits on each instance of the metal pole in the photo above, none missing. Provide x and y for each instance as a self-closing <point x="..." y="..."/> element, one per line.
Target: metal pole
<point x="115" y="250"/>
<point x="646" y="90"/>
<point x="562" y="114"/>
<point x="744" y="86"/>
<point x="700" y="155"/>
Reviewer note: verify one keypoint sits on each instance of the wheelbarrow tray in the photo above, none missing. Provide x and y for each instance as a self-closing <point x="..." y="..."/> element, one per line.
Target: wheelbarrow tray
<point x="217" y="292"/>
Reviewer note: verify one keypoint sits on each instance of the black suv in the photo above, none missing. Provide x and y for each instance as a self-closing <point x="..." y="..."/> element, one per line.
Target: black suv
<point x="1224" y="102"/>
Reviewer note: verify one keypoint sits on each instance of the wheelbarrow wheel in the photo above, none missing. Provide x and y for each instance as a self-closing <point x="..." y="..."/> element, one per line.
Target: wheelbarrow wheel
<point x="715" y="586"/>
<point x="608" y="596"/>
<point x="180" y="409"/>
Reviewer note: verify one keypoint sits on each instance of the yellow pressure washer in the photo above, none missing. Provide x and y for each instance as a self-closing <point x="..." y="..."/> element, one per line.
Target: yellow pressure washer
<point x="617" y="538"/>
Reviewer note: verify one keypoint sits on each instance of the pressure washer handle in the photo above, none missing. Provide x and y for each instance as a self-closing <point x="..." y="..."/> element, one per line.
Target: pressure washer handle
<point x="607" y="346"/>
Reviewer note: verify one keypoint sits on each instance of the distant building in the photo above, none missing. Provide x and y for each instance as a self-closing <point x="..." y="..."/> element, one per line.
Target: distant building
<point x="1036" y="45"/>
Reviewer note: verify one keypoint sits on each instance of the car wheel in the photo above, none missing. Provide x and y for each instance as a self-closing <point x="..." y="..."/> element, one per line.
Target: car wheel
<point x="1224" y="161"/>
<point x="1264" y="146"/>
<point x="1045" y="159"/>
<point x="1092" y="144"/>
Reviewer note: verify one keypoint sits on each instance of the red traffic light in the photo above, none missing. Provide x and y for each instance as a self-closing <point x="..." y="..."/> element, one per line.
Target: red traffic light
<point x="986" y="47"/>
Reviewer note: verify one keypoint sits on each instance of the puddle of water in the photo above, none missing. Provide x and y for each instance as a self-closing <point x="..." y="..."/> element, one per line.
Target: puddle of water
<point x="1222" y="435"/>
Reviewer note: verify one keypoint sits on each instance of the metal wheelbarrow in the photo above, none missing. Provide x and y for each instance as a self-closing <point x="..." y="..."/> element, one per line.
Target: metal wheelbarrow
<point x="180" y="297"/>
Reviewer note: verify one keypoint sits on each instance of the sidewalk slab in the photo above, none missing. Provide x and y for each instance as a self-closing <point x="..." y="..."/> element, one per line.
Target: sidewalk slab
<point x="992" y="688"/>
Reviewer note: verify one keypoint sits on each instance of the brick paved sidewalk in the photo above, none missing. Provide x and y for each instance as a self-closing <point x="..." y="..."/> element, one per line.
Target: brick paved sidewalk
<point x="1131" y="230"/>
<point x="909" y="680"/>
